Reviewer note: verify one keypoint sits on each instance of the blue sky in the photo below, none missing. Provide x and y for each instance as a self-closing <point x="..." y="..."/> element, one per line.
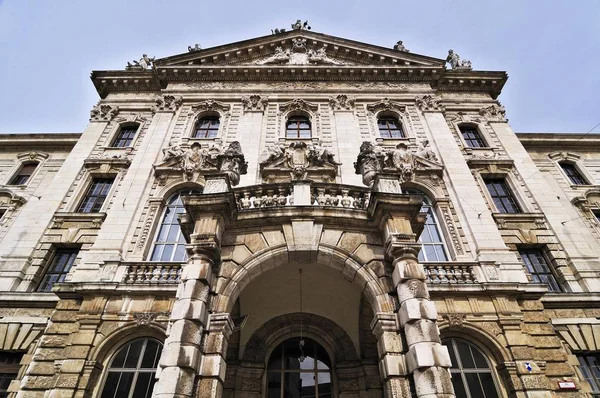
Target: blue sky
<point x="550" y="49"/>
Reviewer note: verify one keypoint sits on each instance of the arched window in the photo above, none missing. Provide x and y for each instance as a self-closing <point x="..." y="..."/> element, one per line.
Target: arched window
<point x="207" y="127"/>
<point x="25" y="172"/>
<point x="125" y="136"/>
<point x="472" y="374"/>
<point x="296" y="371"/>
<point x="573" y="174"/>
<point x="471" y="136"/>
<point x="389" y="127"/>
<point x="434" y="248"/>
<point x="298" y="126"/>
<point x="169" y="244"/>
<point x="131" y="370"/>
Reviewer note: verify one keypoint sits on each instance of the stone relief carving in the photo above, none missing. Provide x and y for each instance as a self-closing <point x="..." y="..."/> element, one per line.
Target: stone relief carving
<point x="195" y="160"/>
<point x="424" y="151"/>
<point x="341" y="103"/>
<point x="210" y="105"/>
<point x="254" y="103"/>
<point x="449" y="221"/>
<point x="385" y="105"/>
<point x="456" y="63"/>
<point x="103" y="113"/>
<point x="145" y="318"/>
<point x="493" y="113"/>
<point x="299" y="54"/>
<point x="429" y="103"/>
<point x="298" y="104"/>
<point x="374" y="86"/>
<point x="144" y="63"/>
<point x="298" y="161"/>
<point x="373" y="159"/>
<point x="152" y="210"/>
<point x="399" y="46"/>
<point x="167" y="103"/>
<point x="455" y="320"/>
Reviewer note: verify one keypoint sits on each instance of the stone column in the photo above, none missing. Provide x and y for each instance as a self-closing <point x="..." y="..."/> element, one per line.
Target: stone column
<point x="220" y="327"/>
<point x="392" y="363"/>
<point x="181" y="358"/>
<point x="427" y="359"/>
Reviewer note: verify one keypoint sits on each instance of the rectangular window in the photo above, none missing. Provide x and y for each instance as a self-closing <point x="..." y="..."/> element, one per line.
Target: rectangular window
<point x="96" y="195"/>
<point x="59" y="268"/>
<point x="2" y="213"/>
<point x="574" y="175"/>
<point x="596" y="214"/>
<point x="589" y="365"/>
<point x="538" y="268"/>
<point x="9" y="367"/>
<point x="125" y="137"/>
<point x="472" y="137"/>
<point x="502" y="196"/>
<point x="23" y="175"/>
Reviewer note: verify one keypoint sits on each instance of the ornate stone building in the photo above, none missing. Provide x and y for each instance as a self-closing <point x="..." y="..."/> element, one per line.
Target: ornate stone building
<point x="299" y="215"/>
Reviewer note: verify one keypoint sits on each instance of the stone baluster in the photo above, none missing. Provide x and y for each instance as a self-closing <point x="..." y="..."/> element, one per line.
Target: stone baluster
<point x="427" y="359"/>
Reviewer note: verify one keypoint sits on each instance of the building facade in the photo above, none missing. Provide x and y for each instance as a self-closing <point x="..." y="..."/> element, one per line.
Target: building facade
<point x="299" y="215"/>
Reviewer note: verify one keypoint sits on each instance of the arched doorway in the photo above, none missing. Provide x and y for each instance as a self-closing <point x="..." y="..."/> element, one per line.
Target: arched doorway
<point x="299" y="368"/>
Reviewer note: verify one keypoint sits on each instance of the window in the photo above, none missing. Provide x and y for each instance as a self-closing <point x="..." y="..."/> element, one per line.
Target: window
<point x="538" y="268"/>
<point x="574" y="176"/>
<point x="125" y="136"/>
<point x="207" y="127"/>
<point x="434" y="248"/>
<point x="595" y="212"/>
<point x="131" y="370"/>
<point x="298" y="127"/>
<point x="502" y="196"/>
<point x="61" y="263"/>
<point x="389" y="127"/>
<point x="9" y="367"/>
<point x="169" y="244"/>
<point x="2" y="213"/>
<point x="299" y="371"/>
<point x="589" y="365"/>
<point x="24" y="173"/>
<point x="472" y="375"/>
<point x="96" y="195"/>
<point x="471" y="136"/>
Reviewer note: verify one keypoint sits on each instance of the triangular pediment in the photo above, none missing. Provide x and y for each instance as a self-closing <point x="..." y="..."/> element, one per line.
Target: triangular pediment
<point x="298" y="48"/>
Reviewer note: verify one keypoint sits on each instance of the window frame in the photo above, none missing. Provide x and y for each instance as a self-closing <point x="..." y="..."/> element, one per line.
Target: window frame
<point x="577" y="174"/>
<point x="298" y="129"/>
<point x="9" y="369"/>
<point x="389" y="116"/>
<point x="157" y="226"/>
<point x="118" y="132"/>
<point x="209" y="116"/>
<point x="589" y="371"/>
<point x="479" y="138"/>
<point x="524" y="253"/>
<point x="508" y="188"/>
<point x="118" y="347"/>
<point x="450" y="343"/>
<point x="84" y="193"/>
<point x="71" y="261"/>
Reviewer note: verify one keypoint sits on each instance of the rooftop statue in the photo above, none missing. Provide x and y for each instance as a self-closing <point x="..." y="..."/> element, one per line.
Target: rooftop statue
<point x="456" y="63"/>
<point x="144" y="63"/>
<point x="298" y="25"/>
<point x="399" y="46"/>
<point x="197" y="47"/>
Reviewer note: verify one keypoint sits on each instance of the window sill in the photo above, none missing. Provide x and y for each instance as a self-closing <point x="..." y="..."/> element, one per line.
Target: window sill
<point x="516" y="220"/>
<point x="395" y="141"/>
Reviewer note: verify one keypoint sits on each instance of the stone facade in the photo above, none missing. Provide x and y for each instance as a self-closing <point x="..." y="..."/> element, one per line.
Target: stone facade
<point x="313" y="236"/>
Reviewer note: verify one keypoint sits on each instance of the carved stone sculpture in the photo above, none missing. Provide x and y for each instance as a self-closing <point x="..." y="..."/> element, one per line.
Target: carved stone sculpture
<point x="493" y="113"/>
<point x="232" y="162"/>
<point x="298" y="54"/>
<point x="298" y="25"/>
<point x="402" y="160"/>
<point x="426" y="152"/>
<point x="429" y="103"/>
<point x="167" y="103"/>
<point x="172" y="151"/>
<point x="197" y="47"/>
<point x="399" y="46"/>
<point x="298" y="160"/>
<point x="370" y="162"/>
<point x="144" y="63"/>
<point x="455" y="62"/>
<point x="103" y="113"/>
<point x="341" y="102"/>
<point x="254" y="103"/>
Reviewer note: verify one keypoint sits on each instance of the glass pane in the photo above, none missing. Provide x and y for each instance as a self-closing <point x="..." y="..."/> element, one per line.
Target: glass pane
<point x="133" y="355"/>
<point x="274" y="385"/>
<point x="292" y="385"/>
<point x="459" y="388"/>
<point x="156" y="253"/>
<point x="124" y="384"/>
<point x="119" y="359"/>
<point x="163" y="233"/>
<point x="450" y="347"/>
<point x="110" y="385"/>
<point x="474" y="385"/>
<point x="324" y="380"/>
<point x="166" y="254"/>
<point x="142" y="385"/>
<point x="480" y="361"/>
<point x="149" y="355"/>
<point x="464" y="353"/>
<point x="173" y="233"/>
<point x="180" y="254"/>
<point x="488" y="385"/>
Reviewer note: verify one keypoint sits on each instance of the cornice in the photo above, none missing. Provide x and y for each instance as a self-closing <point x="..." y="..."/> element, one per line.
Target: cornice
<point x="559" y="140"/>
<point x="34" y="140"/>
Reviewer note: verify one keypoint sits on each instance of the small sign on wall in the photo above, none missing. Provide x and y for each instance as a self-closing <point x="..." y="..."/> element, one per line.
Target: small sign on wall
<point x="567" y="385"/>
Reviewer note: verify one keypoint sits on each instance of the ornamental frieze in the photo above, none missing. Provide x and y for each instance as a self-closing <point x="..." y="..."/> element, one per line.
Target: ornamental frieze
<point x="195" y="161"/>
<point x="299" y="54"/>
<point x="298" y="161"/>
